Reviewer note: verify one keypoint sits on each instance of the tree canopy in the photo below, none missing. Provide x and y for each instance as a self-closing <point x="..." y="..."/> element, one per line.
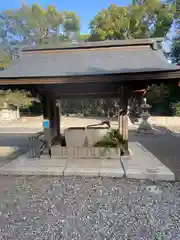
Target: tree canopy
<point x="17" y="98"/>
<point x="141" y="19"/>
<point x="175" y="54"/>
<point x="33" y="24"/>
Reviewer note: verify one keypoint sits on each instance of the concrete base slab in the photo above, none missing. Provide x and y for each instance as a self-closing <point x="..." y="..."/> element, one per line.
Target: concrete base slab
<point x="47" y="163"/>
<point x="111" y="168"/>
<point x="32" y="171"/>
<point x="83" y="167"/>
<point x="111" y="172"/>
<point x="140" y="165"/>
<point x="81" y="171"/>
<point x="83" y="163"/>
<point x="111" y="163"/>
<point x="144" y="165"/>
<point x="28" y="166"/>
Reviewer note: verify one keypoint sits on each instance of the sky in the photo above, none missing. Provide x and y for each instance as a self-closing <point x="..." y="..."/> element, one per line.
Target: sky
<point x="86" y="10"/>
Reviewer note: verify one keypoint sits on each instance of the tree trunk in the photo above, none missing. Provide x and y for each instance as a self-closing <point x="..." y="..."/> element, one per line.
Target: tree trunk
<point x="17" y="112"/>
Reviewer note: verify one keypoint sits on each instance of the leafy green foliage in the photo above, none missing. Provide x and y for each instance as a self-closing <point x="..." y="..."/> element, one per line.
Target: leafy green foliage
<point x="111" y="140"/>
<point x="83" y="37"/>
<point x="176" y="108"/>
<point x="156" y="94"/>
<point x="33" y="24"/>
<point x="175" y="54"/>
<point x="17" y="98"/>
<point x="176" y="4"/>
<point x="147" y="18"/>
<point x="71" y="24"/>
<point x="5" y="59"/>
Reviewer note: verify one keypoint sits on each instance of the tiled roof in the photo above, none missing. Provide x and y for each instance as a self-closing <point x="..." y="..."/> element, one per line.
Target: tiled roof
<point x="106" y="59"/>
<point x="96" y="44"/>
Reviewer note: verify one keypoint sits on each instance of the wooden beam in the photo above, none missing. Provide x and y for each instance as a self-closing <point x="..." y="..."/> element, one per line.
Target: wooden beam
<point x="123" y="119"/>
<point x="122" y="78"/>
<point x="93" y="49"/>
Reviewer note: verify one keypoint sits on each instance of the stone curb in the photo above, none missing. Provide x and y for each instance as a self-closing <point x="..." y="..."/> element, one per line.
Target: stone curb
<point x="69" y="172"/>
<point x="64" y="170"/>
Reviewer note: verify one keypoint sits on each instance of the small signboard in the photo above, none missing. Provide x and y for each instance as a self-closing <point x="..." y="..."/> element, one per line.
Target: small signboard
<point x="45" y="123"/>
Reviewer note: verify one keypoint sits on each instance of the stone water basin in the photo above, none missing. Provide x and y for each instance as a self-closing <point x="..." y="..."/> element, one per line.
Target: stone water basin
<point x="81" y="136"/>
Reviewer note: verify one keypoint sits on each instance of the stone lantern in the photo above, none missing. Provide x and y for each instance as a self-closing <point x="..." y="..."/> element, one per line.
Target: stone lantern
<point x="145" y="126"/>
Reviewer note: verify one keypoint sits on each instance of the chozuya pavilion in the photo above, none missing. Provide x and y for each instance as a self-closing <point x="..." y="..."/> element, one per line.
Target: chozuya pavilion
<point x="93" y="69"/>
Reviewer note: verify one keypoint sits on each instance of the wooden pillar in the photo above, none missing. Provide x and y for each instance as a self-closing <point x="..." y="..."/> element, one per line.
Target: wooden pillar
<point x="120" y="122"/>
<point x="57" y="121"/>
<point x="50" y="115"/>
<point x="123" y="119"/>
<point x="59" y="116"/>
<point x="53" y="117"/>
<point x="47" y="115"/>
<point x="45" y="109"/>
<point x="120" y="116"/>
<point x="49" y="112"/>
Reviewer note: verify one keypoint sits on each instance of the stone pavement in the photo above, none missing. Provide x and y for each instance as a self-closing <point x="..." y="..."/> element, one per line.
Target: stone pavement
<point x="165" y="147"/>
<point x="141" y="165"/>
<point x="144" y="165"/>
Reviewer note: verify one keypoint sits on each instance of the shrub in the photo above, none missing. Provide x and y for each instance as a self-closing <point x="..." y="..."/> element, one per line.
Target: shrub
<point x="111" y="140"/>
<point x="176" y="108"/>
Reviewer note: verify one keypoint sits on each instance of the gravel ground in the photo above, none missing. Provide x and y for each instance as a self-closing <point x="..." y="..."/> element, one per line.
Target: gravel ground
<point x="88" y="209"/>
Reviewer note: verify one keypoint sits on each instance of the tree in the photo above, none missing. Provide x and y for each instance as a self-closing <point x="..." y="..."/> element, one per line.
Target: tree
<point x="34" y="25"/>
<point x="18" y="98"/>
<point x="176" y="4"/>
<point x="31" y="24"/>
<point x="141" y="19"/>
<point x="175" y="52"/>
<point x="110" y="23"/>
<point x="71" y="25"/>
<point x="156" y="94"/>
<point x="5" y="59"/>
<point x="83" y="37"/>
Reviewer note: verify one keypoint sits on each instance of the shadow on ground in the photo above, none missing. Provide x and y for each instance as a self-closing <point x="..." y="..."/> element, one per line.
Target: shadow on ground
<point x="165" y="146"/>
